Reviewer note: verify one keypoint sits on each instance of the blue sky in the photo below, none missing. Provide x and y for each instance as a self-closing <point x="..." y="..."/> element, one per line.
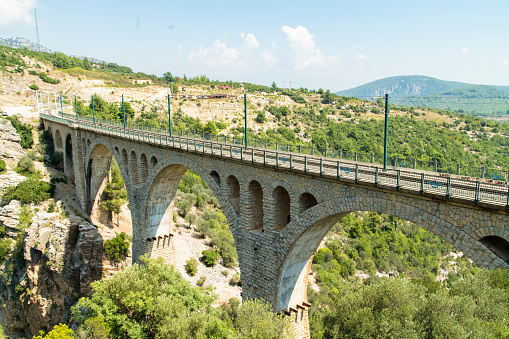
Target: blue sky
<point x="330" y="44"/>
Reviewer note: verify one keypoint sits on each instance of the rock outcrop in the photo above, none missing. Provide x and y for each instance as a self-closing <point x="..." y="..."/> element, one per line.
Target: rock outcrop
<point x="9" y="141"/>
<point x="61" y="259"/>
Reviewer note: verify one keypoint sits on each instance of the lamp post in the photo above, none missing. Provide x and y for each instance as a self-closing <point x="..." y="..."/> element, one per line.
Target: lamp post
<point x="123" y="110"/>
<point x="93" y="109"/>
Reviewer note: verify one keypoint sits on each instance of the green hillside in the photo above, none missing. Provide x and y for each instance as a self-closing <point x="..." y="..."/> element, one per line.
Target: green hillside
<point x="422" y="91"/>
<point x="402" y="86"/>
<point x="477" y="100"/>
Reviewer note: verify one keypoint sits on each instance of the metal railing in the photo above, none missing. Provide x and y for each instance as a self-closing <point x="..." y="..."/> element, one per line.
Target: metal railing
<point x="415" y="181"/>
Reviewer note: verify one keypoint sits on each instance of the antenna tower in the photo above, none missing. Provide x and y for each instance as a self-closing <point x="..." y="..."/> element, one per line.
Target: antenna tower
<point x="37" y="31"/>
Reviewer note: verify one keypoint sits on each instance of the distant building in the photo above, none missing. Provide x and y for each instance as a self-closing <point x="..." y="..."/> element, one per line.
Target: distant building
<point x="225" y="87"/>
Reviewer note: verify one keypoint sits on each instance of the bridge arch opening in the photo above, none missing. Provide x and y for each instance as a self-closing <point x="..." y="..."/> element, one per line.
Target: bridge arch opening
<point x="314" y="223"/>
<point x="143" y="168"/>
<point x="255" y="206"/>
<point x="497" y="245"/>
<point x="306" y="201"/>
<point x="59" y="145"/>
<point x="281" y="208"/>
<point x="216" y="177"/>
<point x="133" y="168"/>
<point x="181" y="207"/>
<point x="153" y="162"/>
<point x="104" y="171"/>
<point x="69" y="166"/>
<point x="125" y="160"/>
<point x="234" y="193"/>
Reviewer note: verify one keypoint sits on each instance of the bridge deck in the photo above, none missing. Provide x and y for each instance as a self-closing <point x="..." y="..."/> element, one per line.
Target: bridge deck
<point x="479" y="191"/>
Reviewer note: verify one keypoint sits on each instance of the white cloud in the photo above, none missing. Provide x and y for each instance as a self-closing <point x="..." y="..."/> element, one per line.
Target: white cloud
<point x="250" y="40"/>
<point x="357" y="47"/>
<point x="361" y="57"/>
<point x="304" y="49"/>
<point x="269" y="58"/>
<point x="140" y="48"/>
<point x="217" y="55"/>
<point x="180" y="48"/>
<point x="16" y="11"/>
<point x="503" y="65"/>
<point x="464" y="50"/>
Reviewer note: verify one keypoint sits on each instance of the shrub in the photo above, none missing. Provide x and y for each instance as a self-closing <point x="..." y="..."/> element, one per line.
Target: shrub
<point x="24" y="131"/>
<point x="5" y="248"/>
<point x="95" y="328"/>
<point x="34" y="87"/>
<point x="31" y="190"/>
<point x="116" y="249"/>
<point x="235" y="280"/>
<point x="51" y="207"/>
<point x="201" y="281"/>
<point x="210" y="258"/>
<point x="191" y="266"/>
<point x="3" y="166"/>
<point x="60" y="331"/>
<point x="25" y="166"/>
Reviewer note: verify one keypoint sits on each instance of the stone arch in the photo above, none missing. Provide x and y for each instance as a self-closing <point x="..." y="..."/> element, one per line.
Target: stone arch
<point x="69" y="165"/>
<point x="306" y="201"/>
<point x="97" y="175"/>
<point x="158" y="194"/>
<point x="153" y="161"/>
<point x="255" y="206"/>
<point x="133" y="167"/>
<point x="117" y="150"/>
<point x="305" y="233"/>
<point x="281" y="208"/>
<point x="59" y="144"/>
<point x="143" y="168"/>
<point x="216" y="177"/>
<point x="88" y="143"/>
<point x="233" y="187"/>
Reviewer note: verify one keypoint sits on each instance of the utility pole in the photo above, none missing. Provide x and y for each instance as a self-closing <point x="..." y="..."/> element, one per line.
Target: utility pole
<point x="169" y="114"/>
<point x="386" y="129"/>
<point x="245" y="120"/>
<point x="61" y="107"/>
<point x="76" y="106"/>
<point x="93" y="108"/>
<point x="123" y="109"/>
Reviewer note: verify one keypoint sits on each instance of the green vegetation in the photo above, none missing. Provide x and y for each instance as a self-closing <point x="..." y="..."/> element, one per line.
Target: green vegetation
<point x="210" y="258"/>
<point x="34" y="87"/>
<point x="31" y="190"/>
<point x="3" y="166"/>
<point x="191" y="266"/>
<point x="474" y="306"/>
<point x="151" y="300"/>
<point x="116" y="249"/>
<point x="23" y="129"/>
<point x="46" y="147"/>
<point x="60" y="331"/>
<point x="114" y="194"/>
<point x="210" y="221"/>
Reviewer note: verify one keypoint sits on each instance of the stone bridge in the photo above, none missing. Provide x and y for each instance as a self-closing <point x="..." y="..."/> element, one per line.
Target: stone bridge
<point x="279" y="205"/>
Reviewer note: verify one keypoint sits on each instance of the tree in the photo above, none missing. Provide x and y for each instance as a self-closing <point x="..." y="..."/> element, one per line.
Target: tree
<point x="274" y="86"/>
<point x="210" y="128"/>
<point x="114" y="194"/>
<point x="86" y="64"/>
<point x="60" y="331"/>
<point x="168" y="77"/>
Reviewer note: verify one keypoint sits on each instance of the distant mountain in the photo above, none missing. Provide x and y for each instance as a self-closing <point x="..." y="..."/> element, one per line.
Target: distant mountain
<point x="417" y="90"/>
<point x="22" y="43"/>
<point x="402" y="86"/>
